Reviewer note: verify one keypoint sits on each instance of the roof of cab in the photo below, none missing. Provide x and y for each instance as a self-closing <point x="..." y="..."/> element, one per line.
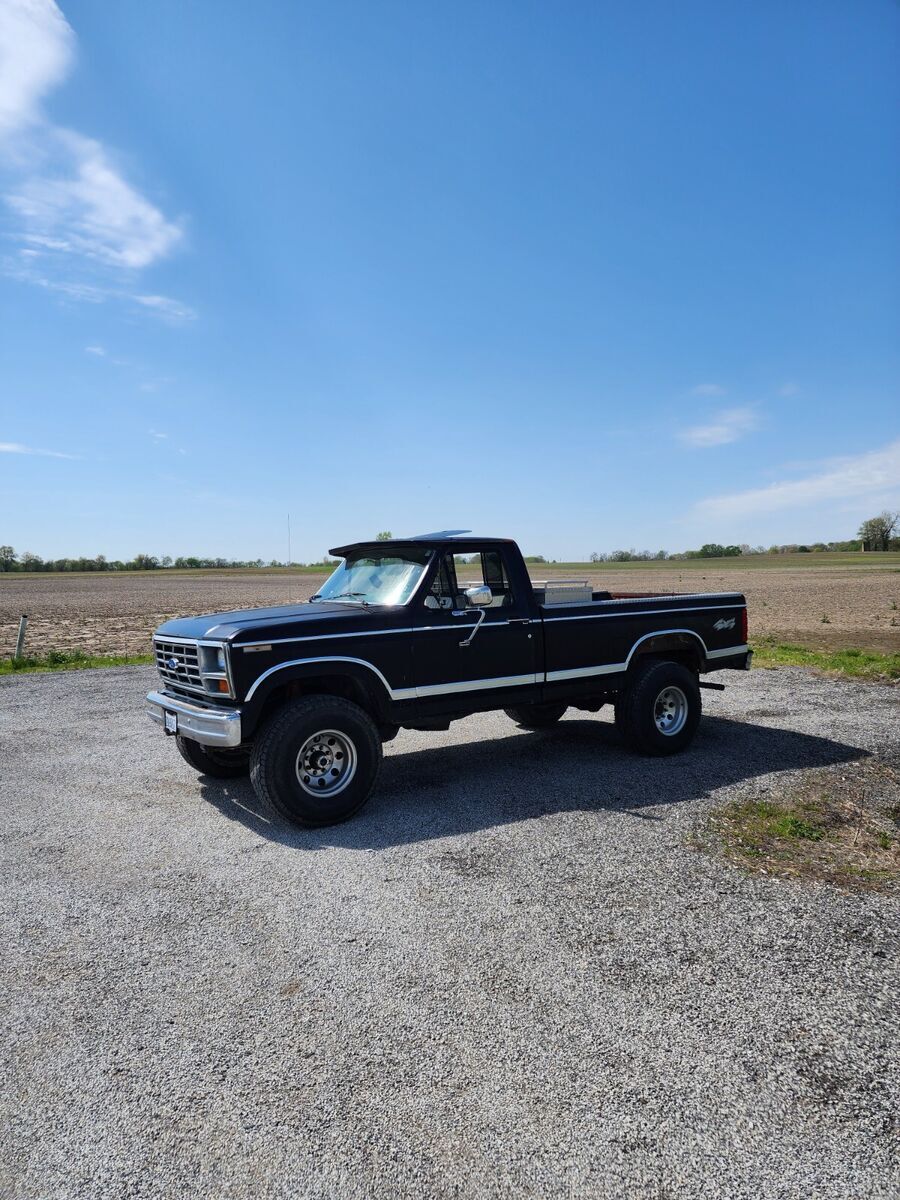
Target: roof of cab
<point x="437" y="540"/>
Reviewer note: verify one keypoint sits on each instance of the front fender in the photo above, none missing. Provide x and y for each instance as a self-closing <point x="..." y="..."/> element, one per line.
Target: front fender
<point x="364" y="679"/>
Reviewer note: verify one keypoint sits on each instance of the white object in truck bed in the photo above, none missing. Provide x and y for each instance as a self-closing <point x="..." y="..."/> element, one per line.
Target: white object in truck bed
<point x="562" y="591"/>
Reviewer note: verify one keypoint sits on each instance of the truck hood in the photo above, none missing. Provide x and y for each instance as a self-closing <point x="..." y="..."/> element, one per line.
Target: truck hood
<point x="257" y="624"/>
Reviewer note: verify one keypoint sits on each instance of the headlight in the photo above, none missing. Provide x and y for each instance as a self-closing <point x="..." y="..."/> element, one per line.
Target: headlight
<point x="214" y="670"/>
<point x="212" y="660"/>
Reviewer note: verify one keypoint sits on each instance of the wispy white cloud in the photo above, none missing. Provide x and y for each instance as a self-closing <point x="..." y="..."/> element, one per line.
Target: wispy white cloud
<point x="708" y="389"/>
<point x="26" y="272"/>
<point x="36" y="48"/>
<point x="76" y="211"/>
<point x="875" y="474"/>
<point x="102" y="352"/>
<point x="18" y="448"/>
<point x="85" y="207"/>
<point x="163" y="307"/>
<point x="157" y="436"/>
<point x="727" y="426"/>
<point x="166" y="307"/>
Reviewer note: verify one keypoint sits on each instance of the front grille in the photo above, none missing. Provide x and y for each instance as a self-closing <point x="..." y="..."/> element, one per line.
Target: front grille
<point x="178" y="665"/>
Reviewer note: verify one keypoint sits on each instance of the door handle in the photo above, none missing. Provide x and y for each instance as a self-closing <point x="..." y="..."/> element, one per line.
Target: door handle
<point x="520" y="620"/>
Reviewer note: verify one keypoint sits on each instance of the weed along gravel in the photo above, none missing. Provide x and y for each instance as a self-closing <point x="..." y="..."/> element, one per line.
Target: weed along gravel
<point x="533" y="965"/>
<point x="840" y="825"/>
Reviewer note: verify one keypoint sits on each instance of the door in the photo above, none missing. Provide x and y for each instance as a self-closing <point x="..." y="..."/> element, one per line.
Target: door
<point x="457" y="648"/>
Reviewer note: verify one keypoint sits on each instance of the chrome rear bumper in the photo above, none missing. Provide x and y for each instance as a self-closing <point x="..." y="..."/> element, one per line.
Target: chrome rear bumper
<point x="200" y="722"/>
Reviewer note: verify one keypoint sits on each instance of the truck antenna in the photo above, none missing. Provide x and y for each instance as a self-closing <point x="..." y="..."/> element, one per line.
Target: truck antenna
<point x="290" y="589"/>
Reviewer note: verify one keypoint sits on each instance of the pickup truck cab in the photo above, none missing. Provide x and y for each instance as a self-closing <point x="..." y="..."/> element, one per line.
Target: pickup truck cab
<point x="415" y="633"/>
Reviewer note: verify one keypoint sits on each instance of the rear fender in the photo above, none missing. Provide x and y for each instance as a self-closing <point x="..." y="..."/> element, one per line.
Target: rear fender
<point x="679" y="645"/>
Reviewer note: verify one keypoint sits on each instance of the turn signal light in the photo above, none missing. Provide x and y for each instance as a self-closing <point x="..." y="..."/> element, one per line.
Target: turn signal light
<point x="223" y="685"/>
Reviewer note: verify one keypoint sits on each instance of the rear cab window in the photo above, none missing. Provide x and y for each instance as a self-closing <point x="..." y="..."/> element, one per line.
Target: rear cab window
<point x="457" y="572"/>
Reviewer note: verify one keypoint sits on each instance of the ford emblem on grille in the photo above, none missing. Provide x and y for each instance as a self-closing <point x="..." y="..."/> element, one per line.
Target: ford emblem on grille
<point x="172" y="664"/>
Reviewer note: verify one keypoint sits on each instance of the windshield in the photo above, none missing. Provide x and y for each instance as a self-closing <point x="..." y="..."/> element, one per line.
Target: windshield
<point x="374" y="578"/>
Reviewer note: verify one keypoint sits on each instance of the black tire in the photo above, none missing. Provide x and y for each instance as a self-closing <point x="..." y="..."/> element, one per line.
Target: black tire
<point x="660" y="692"/>
<point x="337" y="737"/>
<point x="536" y="716"/>
<point x="220" y="764"/>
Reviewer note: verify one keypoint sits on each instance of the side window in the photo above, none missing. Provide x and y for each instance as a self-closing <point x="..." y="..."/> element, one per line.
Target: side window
<point x="485" y="568"/>
<point x="443" y="586"/>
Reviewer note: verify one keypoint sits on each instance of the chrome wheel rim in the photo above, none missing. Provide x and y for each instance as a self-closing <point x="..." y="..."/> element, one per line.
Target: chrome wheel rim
<point x="670" y="712"/>
<point x="326" y="763"/>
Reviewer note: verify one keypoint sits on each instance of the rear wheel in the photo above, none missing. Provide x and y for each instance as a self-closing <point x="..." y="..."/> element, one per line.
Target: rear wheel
<point x="536" y="716"/>
<point x="660" y="710"/>
<point x="220" y="764"/>
<point x="316" y="760"/>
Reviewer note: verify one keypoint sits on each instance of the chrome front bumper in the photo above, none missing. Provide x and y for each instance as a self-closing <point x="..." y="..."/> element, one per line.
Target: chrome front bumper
<point x="200" y="722"/>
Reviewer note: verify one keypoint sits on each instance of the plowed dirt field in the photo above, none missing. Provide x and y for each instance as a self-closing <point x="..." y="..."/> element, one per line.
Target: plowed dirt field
<point x="820" y="607"/>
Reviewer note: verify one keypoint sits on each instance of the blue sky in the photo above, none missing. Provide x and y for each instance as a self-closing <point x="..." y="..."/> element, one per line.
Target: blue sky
<point x="593" y="275"/>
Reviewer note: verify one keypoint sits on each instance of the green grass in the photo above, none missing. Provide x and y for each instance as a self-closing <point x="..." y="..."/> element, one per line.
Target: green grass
<point x="759" y="821"/>
<point x="855" y="664"/>
<point x="834" y="826"/>
<point x="791" y="826"/>
<point x="70" y="660"/>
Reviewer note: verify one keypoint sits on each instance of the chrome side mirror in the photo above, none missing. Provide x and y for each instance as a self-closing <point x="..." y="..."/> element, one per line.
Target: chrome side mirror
<point x="479" y="596"/>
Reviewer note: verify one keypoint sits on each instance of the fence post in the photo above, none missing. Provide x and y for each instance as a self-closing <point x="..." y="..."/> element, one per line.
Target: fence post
<point x="20" y="640"/>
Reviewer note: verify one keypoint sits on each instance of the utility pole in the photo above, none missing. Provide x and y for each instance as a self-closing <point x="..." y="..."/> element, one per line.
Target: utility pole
<point x="290" y="589"/>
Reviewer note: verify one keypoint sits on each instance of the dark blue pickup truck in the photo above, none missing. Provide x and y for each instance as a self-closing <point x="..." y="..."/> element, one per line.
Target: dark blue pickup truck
<point x="415" y="633"/>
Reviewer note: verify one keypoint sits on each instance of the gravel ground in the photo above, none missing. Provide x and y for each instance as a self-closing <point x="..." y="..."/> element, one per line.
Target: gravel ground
<point x="511" y="975"/>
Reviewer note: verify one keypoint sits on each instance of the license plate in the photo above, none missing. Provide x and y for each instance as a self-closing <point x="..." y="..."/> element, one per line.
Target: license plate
<point x="171" y="721"/>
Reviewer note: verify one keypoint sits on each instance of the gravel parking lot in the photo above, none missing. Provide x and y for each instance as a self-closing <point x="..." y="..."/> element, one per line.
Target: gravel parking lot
<point x="511" y="975"/>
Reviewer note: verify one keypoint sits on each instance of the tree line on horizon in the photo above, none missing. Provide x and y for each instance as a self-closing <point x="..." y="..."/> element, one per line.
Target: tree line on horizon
<point x="10" y="561"/>
<point x="716" y="550"/>
<point x="875" y="534"/>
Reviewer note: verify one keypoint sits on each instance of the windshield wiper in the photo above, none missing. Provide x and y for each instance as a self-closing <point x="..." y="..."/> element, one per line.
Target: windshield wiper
<point x="340" y="595"/>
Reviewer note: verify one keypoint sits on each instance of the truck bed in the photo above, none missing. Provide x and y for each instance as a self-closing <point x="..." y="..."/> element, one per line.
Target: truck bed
<point x="587" y="639"/>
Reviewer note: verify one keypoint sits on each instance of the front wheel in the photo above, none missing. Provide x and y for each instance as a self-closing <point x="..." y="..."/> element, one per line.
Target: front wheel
<point x="536" y="716"/>
<point x="220" y="764"/>
<point x="316" y="760"/>
<point x="660" y="709"/>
